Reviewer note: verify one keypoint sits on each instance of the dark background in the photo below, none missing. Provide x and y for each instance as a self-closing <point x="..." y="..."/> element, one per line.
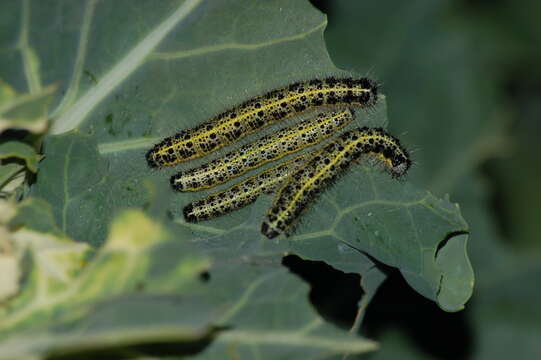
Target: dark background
<point x="463" y="87"/>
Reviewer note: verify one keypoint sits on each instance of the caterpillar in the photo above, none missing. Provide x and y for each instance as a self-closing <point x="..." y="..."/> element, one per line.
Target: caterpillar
<point x="304" y="185"/>
<point x="265" y="149"/>
<point x="243" y="193"/>
<point x="258" y="113"/>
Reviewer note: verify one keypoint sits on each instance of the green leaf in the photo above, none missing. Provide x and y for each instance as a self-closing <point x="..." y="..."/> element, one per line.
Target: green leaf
<point x="24" y="111"/>
<point x="8" y="171"/>
<point x="30" y="229"/>
<point x="173" y="65"/>
<point x="456" y="267"/>
<point x="56" y="296"/>
<point x="144" y="287"/>
<point x="269" y="314"/>
<point x="395" y="222"/>
<point x="90" y="193"/>
<point x="22" y="151"/>
<point x="398" y="224"/>
<point x="73" y="178"/>
<point x="36" y="215"/>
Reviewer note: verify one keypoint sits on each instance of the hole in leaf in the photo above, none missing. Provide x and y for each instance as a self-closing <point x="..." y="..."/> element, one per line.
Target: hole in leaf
<point x="204" y="276"/>
<point x="334" y="294"/>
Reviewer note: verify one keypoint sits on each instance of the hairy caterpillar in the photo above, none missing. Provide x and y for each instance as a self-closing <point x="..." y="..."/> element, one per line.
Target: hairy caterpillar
<point x="267" y="148"/>
<point x="303" y="186"/>
<point x="243" y="193"/>
<point x="258" y="113"/>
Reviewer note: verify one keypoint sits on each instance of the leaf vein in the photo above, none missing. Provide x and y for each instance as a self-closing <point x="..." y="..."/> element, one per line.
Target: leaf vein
<point x="77" y="113"/>
<point x="177" y="55"/>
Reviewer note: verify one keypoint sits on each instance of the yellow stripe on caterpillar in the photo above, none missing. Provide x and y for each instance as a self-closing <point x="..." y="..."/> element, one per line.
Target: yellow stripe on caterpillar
<point x="243" y="193"/>
<point x="258" y="113"/>
<point x="268" y="148"/>
<point x="303" y="186"/>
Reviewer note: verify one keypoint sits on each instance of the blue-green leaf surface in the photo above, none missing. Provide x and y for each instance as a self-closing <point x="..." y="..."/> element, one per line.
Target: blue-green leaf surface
<point x="132" y="72"/>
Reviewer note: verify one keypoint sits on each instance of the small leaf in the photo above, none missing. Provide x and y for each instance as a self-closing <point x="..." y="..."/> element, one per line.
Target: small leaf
<point x="7" y="172"/>
<point x="22" y="151"/>
<point x="31" y="233"/>
<point x="24" y="111"/>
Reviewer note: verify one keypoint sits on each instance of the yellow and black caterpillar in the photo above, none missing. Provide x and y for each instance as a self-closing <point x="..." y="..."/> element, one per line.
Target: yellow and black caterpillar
<point x="267" y="148"/>
<point x="303" y="186"/>
<point x="243" y="193"/>
<point x="258" y="113"/>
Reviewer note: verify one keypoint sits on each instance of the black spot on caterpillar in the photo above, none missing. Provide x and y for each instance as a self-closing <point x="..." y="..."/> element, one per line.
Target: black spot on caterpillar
<point x="258" y="113"/>
<point x="326" y="165"/>
<point x="267" y="148"/>
<point x="243" y="193"/>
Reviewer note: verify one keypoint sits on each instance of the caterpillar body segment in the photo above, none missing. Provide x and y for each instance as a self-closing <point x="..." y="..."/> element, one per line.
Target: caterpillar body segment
<point x="260" y="112"/>
<point x="303" y="186"/>
<point x="243" y="193"/>
<point x="267" y="148"/>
